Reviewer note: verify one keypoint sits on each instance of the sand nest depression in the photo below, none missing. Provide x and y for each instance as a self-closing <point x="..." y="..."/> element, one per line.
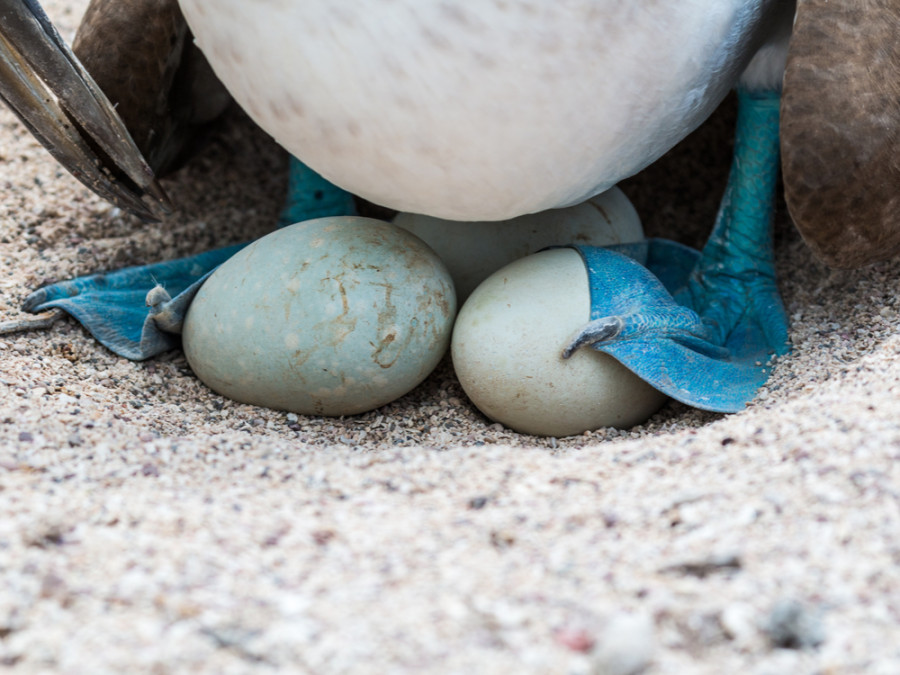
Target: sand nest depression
<point x="151" y="525"/>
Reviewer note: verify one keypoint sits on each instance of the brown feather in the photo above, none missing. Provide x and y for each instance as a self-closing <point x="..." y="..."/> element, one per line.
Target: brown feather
<point x="840" y="129"/>
<point x="141" y="53"/>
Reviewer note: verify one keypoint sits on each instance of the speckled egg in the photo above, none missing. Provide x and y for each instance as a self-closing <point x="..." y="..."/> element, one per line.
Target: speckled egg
<point x="333" y="316"/>
<point x="474" y="251"/>
<point x="507" y="352"/>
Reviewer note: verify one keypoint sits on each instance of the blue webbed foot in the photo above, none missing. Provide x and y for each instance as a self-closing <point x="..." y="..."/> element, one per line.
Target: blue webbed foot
<point x="701" y="327"/>
<point x="137" y="312"/>
<point x="629" y="302"/>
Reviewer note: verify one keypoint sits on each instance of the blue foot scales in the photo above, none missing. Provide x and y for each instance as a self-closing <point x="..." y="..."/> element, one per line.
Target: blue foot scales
<point x="137" y="312"/>
<point x="701" y="327"/>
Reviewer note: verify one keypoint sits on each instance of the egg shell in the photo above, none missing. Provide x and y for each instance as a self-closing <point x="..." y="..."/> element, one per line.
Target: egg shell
<point x="507" y="351"/>
<point x="473" y="251"/>
<point x="333" y="316"/>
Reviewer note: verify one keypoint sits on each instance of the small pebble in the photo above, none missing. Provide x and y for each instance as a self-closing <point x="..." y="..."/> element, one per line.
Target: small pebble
<point x="792" y="625"/>
<point x="738" y="623"/>
<point x="575" y="639"/>
<point x="150" y="470"/>
<point x="626" y="646"/>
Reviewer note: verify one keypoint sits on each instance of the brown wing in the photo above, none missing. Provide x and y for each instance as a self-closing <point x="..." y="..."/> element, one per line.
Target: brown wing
<point x="840" y="129"/>
<point x="142" y="55"/>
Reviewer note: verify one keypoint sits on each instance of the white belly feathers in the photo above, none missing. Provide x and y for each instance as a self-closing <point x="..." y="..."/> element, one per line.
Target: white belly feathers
<point x="477" y="111"/>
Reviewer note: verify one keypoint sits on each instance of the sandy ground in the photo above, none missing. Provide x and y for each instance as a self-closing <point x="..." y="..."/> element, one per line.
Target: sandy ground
<point x="149" y="525"/>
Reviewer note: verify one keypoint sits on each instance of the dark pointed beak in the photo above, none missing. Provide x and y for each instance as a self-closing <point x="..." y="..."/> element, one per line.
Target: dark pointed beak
<point x="55" y="97"/>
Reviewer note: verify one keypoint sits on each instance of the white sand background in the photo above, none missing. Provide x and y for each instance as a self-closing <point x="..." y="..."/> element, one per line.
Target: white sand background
<point x="149" y="525"/>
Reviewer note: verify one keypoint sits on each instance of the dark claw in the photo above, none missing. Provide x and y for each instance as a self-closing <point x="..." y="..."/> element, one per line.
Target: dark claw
<point x="599" y="330"/>
<point x="59" y="102"/>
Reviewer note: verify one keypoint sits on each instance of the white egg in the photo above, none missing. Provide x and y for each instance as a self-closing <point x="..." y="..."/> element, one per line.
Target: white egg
<point x="474" y="251"/>
<point x="507" y="351"/>
<point x="334" y="316"/>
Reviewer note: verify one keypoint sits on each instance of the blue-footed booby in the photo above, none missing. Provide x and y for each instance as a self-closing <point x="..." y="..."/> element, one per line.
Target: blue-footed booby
<point x="514" y="106"/>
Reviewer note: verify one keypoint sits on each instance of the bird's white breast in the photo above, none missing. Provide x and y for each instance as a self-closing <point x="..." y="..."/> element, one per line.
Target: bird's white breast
<point x="477" y="111"/>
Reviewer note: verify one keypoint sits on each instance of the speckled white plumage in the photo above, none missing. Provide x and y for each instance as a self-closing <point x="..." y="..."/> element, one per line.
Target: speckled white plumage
<point x="478" y="114"/>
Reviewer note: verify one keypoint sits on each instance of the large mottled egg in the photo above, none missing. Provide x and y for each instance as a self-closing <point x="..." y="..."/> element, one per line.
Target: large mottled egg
<point x="507" y="351"/>
<point x="473" y="251"/>
<point x="334" y="316"/>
